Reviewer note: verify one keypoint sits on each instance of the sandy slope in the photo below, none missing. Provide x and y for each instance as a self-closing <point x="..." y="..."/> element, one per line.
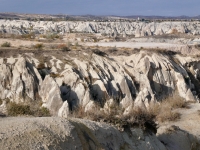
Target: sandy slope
<point x="189" y="121"/>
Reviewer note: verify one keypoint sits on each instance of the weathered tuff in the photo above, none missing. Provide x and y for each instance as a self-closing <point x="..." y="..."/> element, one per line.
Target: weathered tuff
<point x="111" y="28"/>
<point x="82" y="79"/>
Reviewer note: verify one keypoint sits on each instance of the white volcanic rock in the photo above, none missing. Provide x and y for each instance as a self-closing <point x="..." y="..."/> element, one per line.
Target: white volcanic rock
<point x="51" y="95"/>
<point x="19" y="80"/>
<point x="137" y="80"/>
<point x="64" y="110"/>
<point x="111" y="28"/>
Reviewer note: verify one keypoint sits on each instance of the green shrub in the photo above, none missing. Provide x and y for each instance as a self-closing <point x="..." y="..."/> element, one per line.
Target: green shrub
<point x="15" y="109"/>
<point x="6" y="44"/>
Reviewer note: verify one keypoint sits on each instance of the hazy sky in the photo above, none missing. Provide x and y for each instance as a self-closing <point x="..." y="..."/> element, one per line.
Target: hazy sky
<point x="104" y="7"/>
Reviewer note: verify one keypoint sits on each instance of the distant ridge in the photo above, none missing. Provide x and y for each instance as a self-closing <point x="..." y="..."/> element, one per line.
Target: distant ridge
<point x="89" y="17"/>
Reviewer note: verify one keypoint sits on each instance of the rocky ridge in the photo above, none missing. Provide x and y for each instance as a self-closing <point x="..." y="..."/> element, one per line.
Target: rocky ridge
<point x="65" y="80"/>
<point x="110" y="28"/>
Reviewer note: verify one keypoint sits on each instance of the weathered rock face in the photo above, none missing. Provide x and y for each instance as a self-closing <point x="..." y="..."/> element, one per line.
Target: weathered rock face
<point x="111" y="28"/>
<point x="19" y="79"/>
<point x="132" y="81"/>
<point x="63" y="134"/>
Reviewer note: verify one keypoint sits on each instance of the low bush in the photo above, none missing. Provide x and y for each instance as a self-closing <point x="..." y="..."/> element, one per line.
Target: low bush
<point x="63" y="47"/>
<point x="15" y="109"/>
<point x="98" y="52"/>
<point x="55" y="75"/>
<point x="174" y="31"/>
<point x="6" y="44"/>
<point x="27" y="108"/>
<point x="38" y="46"/>
<point x="145" y="118"/>
<point x="41" y="66"/>
<point x="168" y="115"/>
<point x="42" y="112"/>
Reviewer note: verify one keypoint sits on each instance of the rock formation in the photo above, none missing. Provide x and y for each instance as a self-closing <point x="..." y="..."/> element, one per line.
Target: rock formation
<point x="87" y="78"/>
<point x="76" y="134"/>
<point x="110" y="28"/>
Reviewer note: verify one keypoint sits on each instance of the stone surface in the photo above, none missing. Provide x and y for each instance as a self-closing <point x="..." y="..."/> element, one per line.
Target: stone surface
<point x="132" y="81"/>
<point x="110" y="28"/>
<point x="58" y="133"/>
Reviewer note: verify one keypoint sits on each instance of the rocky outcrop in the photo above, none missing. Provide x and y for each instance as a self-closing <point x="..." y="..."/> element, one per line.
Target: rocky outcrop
<point x="110" y="28"/>
<point x="90" y="79"/>
<point x="19" y="79"/>
<point x="64" y="134"/>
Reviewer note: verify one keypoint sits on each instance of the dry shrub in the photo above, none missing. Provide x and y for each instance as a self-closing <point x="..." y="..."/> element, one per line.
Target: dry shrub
<point x="42" y="112"/>
<point x="15" y="109"/>
<point x="41" y="66"/>
<point x="161" y="112"/>
<point x="6" y="44"/>
<point x="168" y="115"/>
<point x="31" y="108"/>
<point x="38" y="46"/>
<point x="95" y="114"/>
<point x="174" y="31"/>
<point x="63" y="47"/>
<point x="28" y="36"/>
<point x="164" y="111"/>
<point x="141" y="117"/>
<point x="55" y="75"/>
<point x="175" y="101"/>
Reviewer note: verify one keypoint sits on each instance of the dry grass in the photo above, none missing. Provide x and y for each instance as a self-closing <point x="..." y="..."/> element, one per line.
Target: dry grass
<point x="160" y="112"/>
<point x="28" y="108"/>
<point x="165" y="110"/>
<point x="15" y="109"/>
<point x="175" y="101"/>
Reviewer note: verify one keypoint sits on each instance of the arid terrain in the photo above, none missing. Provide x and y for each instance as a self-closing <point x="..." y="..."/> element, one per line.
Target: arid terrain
<point x="99" y="85"/>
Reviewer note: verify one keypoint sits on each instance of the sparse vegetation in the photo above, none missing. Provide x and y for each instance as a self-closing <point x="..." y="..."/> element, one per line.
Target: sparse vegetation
<point x="165" y="110"/>
<point x="42" y="112"/>
<point x="6" y="44"/>
<point x="98" y="52"/>
<point x="41" y="66"/>
<point x="63" y="47"/>
<point x="38" y="46"/>
<point x="55" y="75"/>
<point x="161" y="112"/>
<point x="15" y="109"/>
<point x="30" y="108"/>
<point x="174" y="31"/>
